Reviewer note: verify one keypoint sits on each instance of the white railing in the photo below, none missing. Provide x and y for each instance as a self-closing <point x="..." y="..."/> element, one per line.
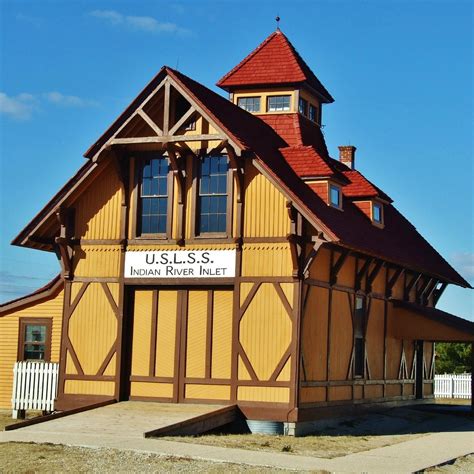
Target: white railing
<point x="452" y="386"/>
<point x="35" y="386"/>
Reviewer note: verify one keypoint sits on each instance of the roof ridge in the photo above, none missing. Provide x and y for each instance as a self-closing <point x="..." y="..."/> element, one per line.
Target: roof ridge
<point x="248" y="57"/>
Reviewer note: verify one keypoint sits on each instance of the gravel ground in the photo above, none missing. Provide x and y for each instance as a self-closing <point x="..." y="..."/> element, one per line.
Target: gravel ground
<point x="42" y="458"/>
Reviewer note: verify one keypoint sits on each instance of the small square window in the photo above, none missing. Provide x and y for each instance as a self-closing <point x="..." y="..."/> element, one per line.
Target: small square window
<point x="335" y="196"/>
<point x="313" y="113"/>
<point x="303" y="107"/>
<point x="278" y="103"/>
<point x="250" y="104"/>
<point x="377" y="213"/>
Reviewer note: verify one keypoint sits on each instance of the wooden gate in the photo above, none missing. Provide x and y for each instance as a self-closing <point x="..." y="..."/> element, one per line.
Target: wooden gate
<point x="181" y="345"/>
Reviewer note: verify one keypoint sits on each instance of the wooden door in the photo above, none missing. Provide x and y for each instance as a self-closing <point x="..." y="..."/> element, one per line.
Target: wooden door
<point x="181" y="345"/>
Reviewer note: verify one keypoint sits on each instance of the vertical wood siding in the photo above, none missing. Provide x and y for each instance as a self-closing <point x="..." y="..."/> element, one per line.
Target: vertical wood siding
<point x="97" y="211"/>
<point x="265" y="213"/>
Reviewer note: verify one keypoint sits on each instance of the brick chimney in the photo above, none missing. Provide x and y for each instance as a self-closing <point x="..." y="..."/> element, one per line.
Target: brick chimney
<point x="347" y="155"/>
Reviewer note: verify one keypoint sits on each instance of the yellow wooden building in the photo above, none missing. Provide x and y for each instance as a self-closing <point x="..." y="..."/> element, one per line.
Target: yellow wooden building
<point x="211" y="250"/>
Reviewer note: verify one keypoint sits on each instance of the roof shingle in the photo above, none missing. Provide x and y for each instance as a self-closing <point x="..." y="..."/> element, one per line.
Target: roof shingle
<point x="275" y="61"/>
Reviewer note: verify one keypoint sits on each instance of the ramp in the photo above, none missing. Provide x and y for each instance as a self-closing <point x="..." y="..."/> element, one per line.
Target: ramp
<point x="134" y="419"/>
<point x="199" y="424"/>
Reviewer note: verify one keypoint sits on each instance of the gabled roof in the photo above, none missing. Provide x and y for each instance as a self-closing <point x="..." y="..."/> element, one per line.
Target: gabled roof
<point x="275" y="61"/>
<point x="398" y="242"/>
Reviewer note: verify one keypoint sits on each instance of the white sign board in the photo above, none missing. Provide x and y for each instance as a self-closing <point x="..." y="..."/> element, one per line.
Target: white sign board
<point x="180" y="264"/>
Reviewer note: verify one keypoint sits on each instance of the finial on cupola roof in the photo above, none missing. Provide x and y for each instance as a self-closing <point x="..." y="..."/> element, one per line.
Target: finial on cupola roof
<point x="277" y="19"/>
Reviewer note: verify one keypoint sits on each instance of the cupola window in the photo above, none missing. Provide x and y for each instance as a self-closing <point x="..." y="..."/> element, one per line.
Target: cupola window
<point x="377" y="213"/>
<point x="313" y="113"/>
<point x="250" y="104"/>
<point x="303" y="107"/>
<point x="335" y="196"/>
<point x="278" y="103"/>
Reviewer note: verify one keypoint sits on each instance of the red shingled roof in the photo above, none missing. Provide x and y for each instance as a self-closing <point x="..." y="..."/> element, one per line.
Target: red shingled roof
<point x="297" y="130"/>
<point x="359" y="187"/>
<point x="275" y="61"/>
<point x="306" y="163"/>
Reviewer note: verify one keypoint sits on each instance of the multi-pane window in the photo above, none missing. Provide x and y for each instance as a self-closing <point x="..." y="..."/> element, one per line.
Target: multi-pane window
<point x="34" y="339"/>
<point x="153" y="207"/>
<point x="303" y="107"/>
<point x="335" y="195"/>
<point x="377" y="215"/>
<point x="278" y="103"/>
<point x="212" y="197"/>
<point x="359" y="336"/>
<point x="313" y="113"/>
<point x="250" y="104"/>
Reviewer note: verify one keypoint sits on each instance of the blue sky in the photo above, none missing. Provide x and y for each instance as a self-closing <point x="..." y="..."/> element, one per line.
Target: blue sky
<point x="400" y="71"/>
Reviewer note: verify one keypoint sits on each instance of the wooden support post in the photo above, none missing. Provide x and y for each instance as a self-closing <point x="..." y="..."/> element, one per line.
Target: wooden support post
<point x="391" y="282"/>
<point x="361" y="273"/>
<point x="336" y="267"/>
<point x="64" y="248"/>
<point x="372" y="275"/>
<point x="410" y="285"/>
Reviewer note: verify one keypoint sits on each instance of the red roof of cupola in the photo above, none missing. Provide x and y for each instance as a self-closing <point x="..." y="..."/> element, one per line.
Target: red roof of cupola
<point x="275" y="61"/>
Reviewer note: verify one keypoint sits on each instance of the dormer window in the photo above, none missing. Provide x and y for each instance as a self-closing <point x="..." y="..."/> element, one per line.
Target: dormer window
<point x="335" y="196"/>
<point x="278" y="103"/>
<point x="303" y="107"/>
<point x="377" y="213"/>
<point x="250" y="104"/>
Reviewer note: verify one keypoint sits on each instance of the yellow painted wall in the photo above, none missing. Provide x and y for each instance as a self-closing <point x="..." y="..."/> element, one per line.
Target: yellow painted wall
<point x="264" y="94"/>
<point x="92" y="345"/>
<point x="9" y="327"/>
<point x="265" y="331"/>
<point x="97" y="209"/>
<point x="265" y="212"/>
<point x="266" y="260"/>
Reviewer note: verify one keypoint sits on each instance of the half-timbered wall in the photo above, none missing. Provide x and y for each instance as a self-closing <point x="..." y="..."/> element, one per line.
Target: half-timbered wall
<point x="327" y="372"/>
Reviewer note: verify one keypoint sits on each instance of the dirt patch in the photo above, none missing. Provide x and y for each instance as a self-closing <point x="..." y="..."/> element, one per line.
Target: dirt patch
<point x="30" y="457"/>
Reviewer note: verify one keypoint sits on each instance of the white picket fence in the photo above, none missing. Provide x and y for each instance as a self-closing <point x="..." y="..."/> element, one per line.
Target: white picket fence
<point x="452" y="386"/>
<point x="35" y="386"/>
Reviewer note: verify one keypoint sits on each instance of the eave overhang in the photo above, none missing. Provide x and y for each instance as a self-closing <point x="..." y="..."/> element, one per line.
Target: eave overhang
<point x="416" y="322"/>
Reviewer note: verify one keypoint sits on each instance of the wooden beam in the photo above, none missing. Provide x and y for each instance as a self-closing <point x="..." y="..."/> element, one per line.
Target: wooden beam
<point x="361" y="273"/>
<point x="165" y="139"/>
<point x="392" y="281"/>
<point x="421" y="290"/>
<point x="166" y="109"/>
<point x="201" y="111"/>
<point x="182" y="120"/>
<point x="372" y="275"/>
<point x="410" y="285"/>
<point x="337" y="266"/>
<point x="150" y="122"/>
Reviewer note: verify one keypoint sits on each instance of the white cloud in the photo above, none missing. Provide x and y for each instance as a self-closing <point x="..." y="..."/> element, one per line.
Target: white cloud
<point x="22" y="106"/>
<point x="19" y="108"/>
<point x="147" y="24"/>
<point x="67" y="100"/>
<point x="464" y="263"/>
